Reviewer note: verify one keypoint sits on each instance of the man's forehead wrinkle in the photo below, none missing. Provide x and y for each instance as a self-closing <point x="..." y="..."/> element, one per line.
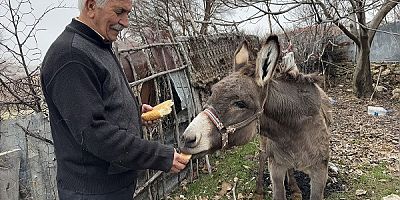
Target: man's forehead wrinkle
<point x="121" y="5"/>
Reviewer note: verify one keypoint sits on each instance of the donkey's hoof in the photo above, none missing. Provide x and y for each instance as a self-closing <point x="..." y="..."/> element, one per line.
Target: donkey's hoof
<point x="258" y="196"/>
<point x="297" y="196"/>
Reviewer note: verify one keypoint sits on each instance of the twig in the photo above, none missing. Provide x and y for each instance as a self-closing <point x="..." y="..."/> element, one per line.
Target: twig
<point x="145" y="185"/>
<point x="27" y="132"/>
<point x="376" y="85"/>
<point x="208" y="165"/>
<point x="157" y="75"/>
<point x="148" y="46"/>
<point x="235" y="180"/>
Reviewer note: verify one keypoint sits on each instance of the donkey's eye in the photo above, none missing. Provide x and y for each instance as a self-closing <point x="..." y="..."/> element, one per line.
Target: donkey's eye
<point x="240" y="104"/>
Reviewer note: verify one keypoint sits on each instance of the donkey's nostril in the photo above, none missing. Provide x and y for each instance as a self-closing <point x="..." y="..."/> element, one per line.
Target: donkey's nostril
<point x="189" y="141"/>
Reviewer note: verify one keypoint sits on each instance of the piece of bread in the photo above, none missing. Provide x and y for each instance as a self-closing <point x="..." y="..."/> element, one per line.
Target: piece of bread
<point x="186" y="156"/>
<point x="158" y="111"/>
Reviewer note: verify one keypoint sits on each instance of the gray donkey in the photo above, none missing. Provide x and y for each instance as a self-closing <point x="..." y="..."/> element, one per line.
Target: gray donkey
<point x="293" y="114"/>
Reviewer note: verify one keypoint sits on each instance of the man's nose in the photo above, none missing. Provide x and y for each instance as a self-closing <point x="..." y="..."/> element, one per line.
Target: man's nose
<point x="124" y="21"/>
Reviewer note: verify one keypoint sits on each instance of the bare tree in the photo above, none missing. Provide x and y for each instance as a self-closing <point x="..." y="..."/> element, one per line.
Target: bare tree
<point x="184" y="17"/>
<point x="352" y="17"/>
<point x="362" y="34"/>
<point x="213" y="9"/>
<point x="160" y="14"/>
<point x="18" y="47"/>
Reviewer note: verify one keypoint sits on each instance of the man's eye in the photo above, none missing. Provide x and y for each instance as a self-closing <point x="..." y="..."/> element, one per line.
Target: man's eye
<point x="118" y="12"/>
<point x="240" y="104"/>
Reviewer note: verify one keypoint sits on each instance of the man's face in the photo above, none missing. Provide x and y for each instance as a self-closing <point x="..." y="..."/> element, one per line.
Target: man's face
<point x="110" y="19"/>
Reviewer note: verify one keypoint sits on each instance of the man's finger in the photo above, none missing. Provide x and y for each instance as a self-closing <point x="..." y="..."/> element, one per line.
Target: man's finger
<point x="182" y="160"/>
<point x="179" y="165"/>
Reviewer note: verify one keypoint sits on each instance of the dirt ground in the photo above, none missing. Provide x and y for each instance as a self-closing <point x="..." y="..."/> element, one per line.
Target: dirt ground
<point x="362" y="139"/>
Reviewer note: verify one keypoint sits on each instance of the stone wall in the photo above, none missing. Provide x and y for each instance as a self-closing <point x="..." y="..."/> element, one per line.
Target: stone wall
<point x="389" y="78"/>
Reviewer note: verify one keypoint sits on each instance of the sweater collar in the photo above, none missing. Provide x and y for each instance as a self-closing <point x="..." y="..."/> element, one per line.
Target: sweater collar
<point x="87" y="32"/>
<point x="77" y="19"/>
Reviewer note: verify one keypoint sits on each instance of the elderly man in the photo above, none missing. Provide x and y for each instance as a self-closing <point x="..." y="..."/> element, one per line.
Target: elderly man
<point x="94" y="117"/>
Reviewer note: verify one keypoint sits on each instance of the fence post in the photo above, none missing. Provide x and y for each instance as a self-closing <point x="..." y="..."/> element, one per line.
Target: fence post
<point x="9" y="174"/>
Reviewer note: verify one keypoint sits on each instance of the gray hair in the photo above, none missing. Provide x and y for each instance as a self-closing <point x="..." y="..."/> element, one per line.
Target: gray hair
<point x="81" y="3"/>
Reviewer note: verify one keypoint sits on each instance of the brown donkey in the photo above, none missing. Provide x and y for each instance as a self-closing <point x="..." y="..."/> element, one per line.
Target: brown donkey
<point x="293" y="113"/>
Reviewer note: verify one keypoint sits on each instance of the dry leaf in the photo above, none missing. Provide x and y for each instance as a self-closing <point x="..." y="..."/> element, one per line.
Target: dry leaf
<point x="360" y="192"/>
<point x="225" y="188"/>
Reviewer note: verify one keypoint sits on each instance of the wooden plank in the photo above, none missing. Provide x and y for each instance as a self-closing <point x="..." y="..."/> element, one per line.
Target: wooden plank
<point x="9" y="174"/>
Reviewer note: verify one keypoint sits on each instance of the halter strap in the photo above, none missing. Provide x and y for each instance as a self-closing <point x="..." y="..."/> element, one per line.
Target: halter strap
<point x="225" y="131"/>
<point x="212" y="114"/>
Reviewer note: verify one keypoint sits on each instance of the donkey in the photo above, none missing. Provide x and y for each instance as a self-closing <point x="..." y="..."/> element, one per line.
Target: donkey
<point x="293" y="113"/>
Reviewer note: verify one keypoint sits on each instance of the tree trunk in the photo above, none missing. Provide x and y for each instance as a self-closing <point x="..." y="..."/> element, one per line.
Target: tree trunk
<point x="207" y="16"/>
<point x="362" y="79"/>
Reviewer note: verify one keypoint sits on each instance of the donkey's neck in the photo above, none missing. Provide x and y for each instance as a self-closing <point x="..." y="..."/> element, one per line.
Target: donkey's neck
<point x="289" y="105"/>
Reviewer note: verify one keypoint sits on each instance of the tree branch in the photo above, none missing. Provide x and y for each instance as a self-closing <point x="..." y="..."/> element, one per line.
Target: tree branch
<point x="35" y="135"/>
<point x="385" y="9"/>
<point x="338" y="24"/>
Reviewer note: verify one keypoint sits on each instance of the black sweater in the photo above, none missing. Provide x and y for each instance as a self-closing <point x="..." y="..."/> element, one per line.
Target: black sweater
<point x="94" y="118"/>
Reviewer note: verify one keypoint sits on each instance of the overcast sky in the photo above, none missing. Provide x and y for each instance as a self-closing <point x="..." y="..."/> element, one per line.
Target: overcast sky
<point x="49" y="27"/>
<point x="55" y="21"/>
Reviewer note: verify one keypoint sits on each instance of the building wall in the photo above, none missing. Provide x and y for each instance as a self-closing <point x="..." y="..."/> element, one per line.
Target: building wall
<point x="386" y="46"/>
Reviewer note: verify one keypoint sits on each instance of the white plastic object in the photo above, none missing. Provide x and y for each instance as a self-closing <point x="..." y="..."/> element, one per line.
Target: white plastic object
<point x="376" y="110"/>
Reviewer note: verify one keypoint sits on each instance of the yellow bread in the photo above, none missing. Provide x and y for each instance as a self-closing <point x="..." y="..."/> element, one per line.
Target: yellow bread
<point x="158" y="111"/>
<point x="186" y="156"/>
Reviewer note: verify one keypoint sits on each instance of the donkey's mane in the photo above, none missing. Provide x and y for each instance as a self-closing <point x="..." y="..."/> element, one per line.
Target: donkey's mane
<point x="300" y="78"/>
<point x="248" y="70"/>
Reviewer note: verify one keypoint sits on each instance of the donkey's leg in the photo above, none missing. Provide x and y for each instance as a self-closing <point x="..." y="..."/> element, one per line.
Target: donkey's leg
<point x="277" y="173"/>
<point x="261" y="165"/>
<point x="294" y="188"/>
<point x="318" y="176"/>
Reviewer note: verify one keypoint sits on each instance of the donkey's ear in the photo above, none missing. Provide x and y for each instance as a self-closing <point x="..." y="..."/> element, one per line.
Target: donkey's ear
<point x="267" y="59"/>
<point x="241" y="56"/>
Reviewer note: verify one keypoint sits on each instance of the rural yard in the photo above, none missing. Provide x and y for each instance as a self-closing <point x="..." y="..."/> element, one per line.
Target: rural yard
<point x="85" y="129"/>
<point x="365" y="160"/>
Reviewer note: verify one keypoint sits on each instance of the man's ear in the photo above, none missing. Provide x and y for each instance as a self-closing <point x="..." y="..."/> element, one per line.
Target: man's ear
<point x="90" y="7"/>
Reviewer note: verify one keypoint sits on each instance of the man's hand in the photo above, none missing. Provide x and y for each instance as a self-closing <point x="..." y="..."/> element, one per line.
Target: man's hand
<point x="147" y="108"/>
<point x="179" y="162"/>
